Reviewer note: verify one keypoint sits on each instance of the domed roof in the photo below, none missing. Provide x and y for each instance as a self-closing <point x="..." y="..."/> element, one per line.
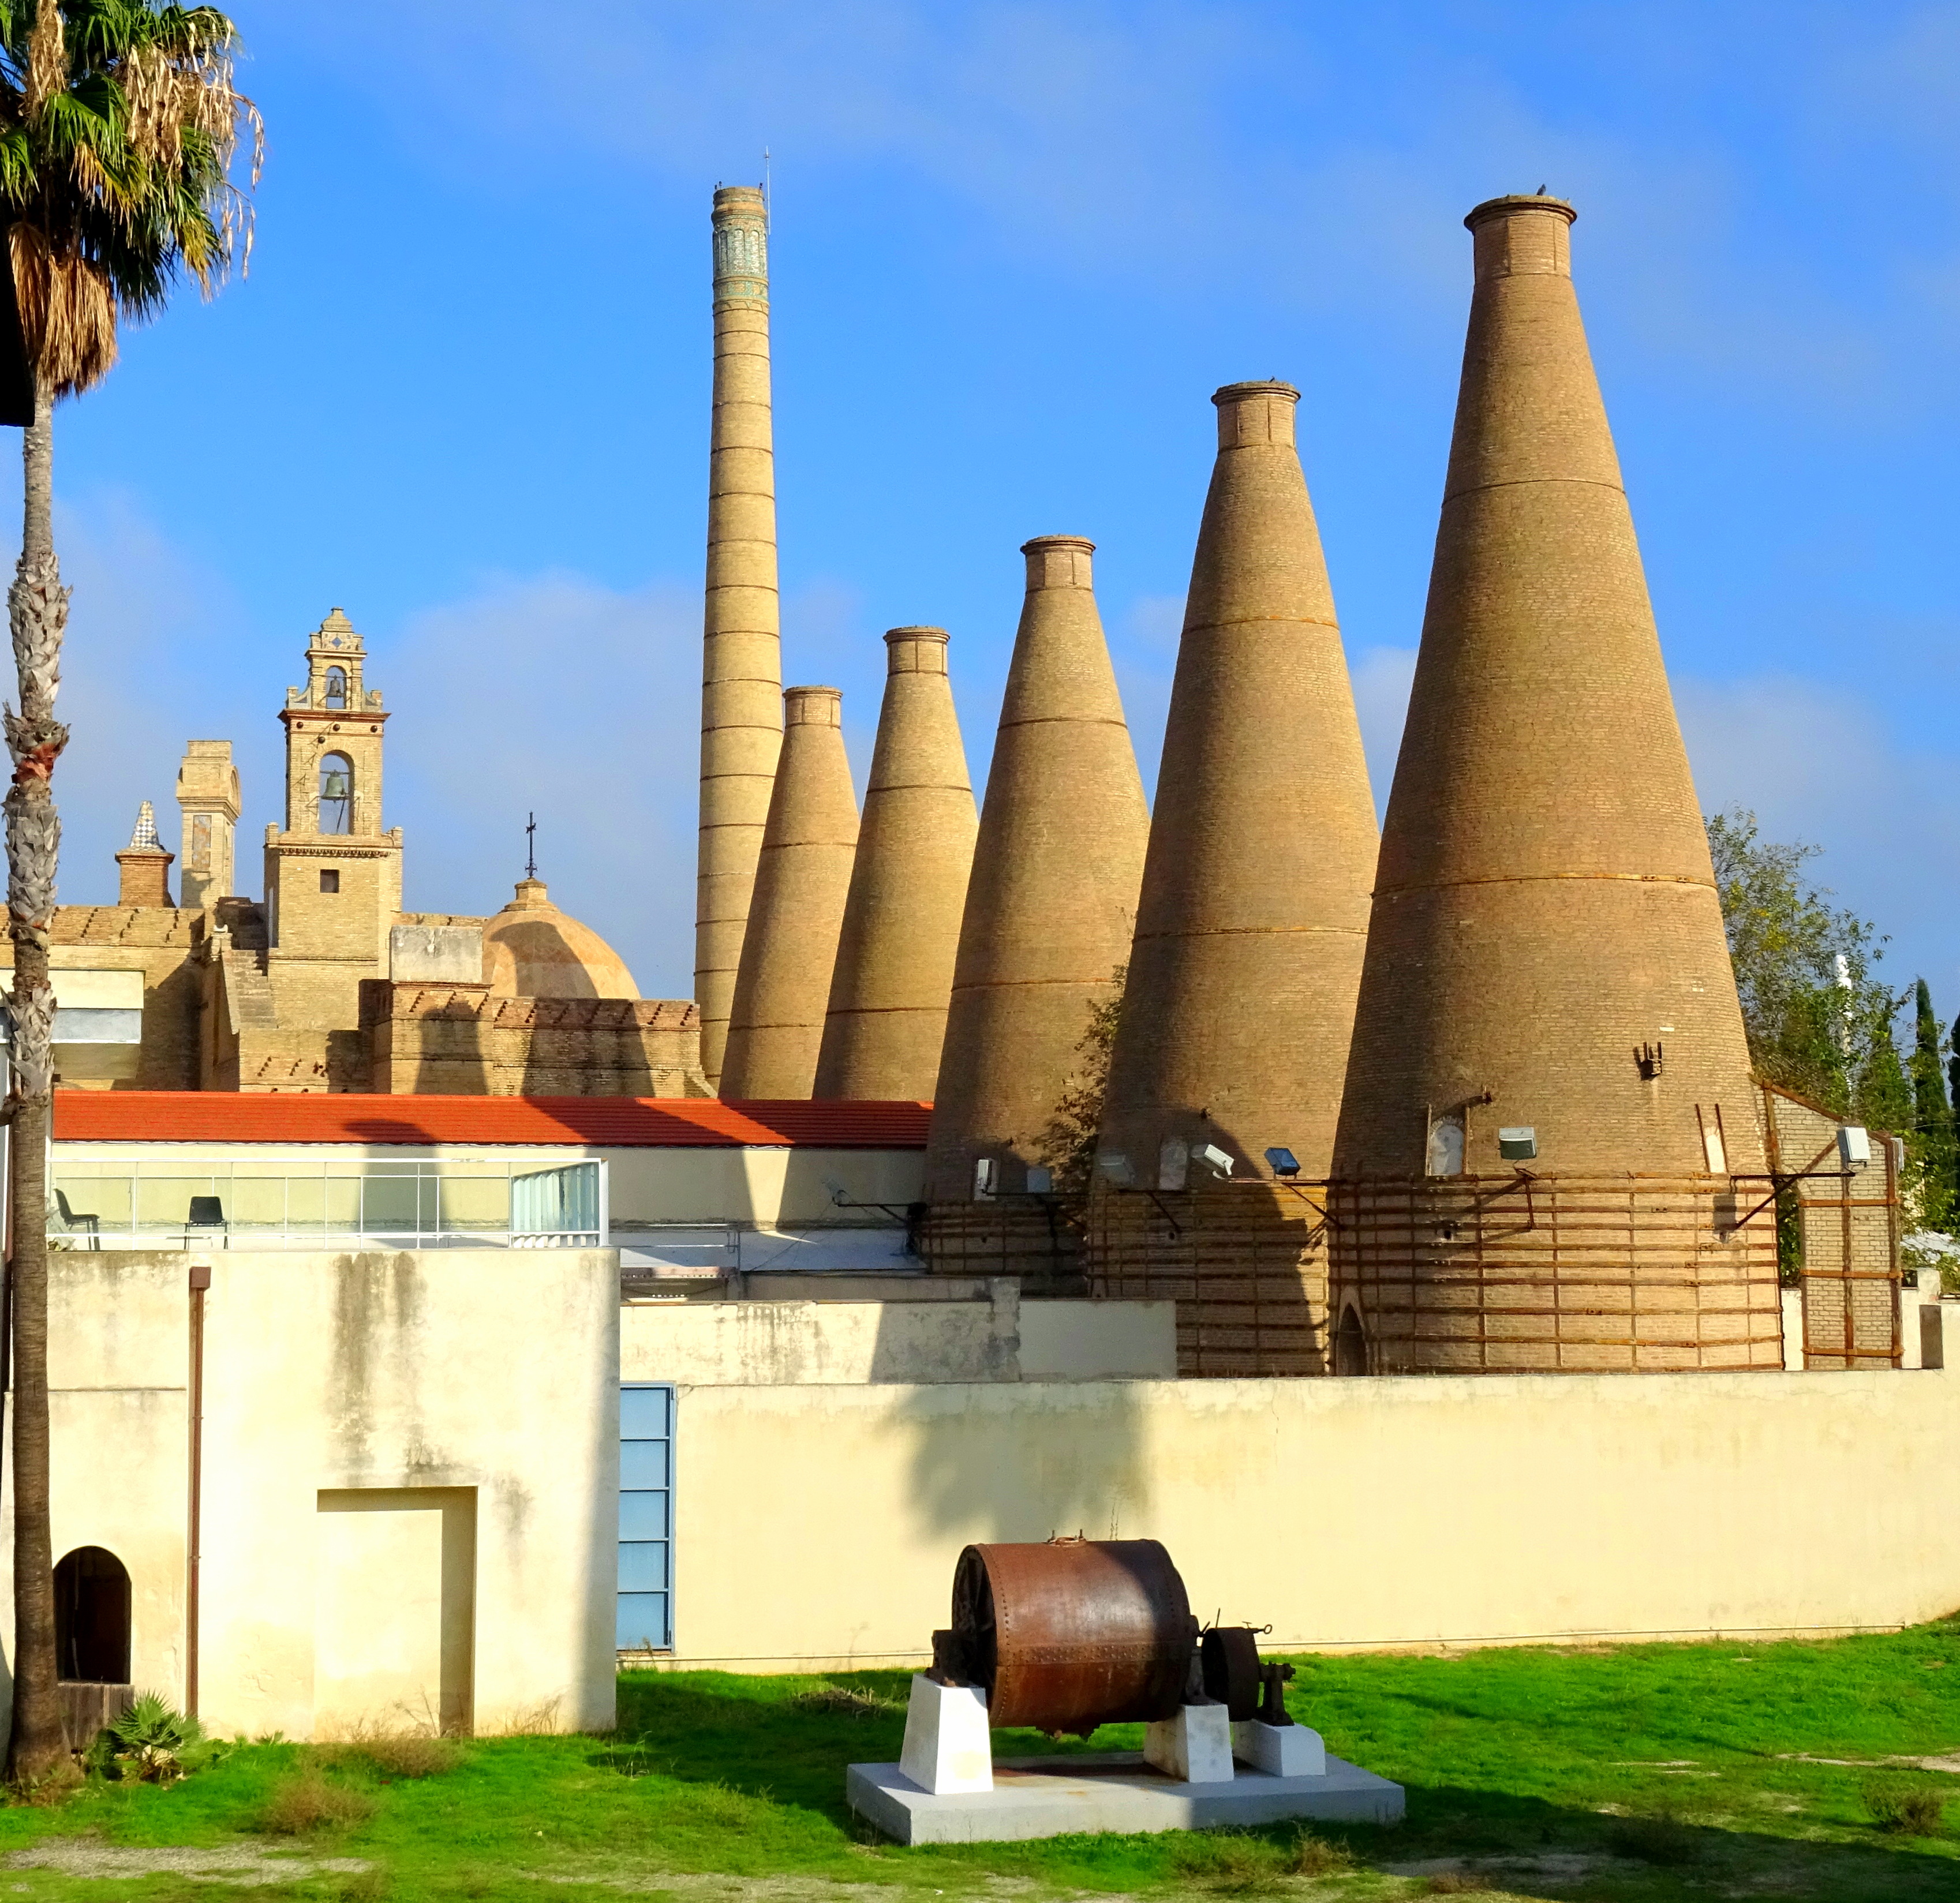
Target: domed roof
<point x="532" y="950"/>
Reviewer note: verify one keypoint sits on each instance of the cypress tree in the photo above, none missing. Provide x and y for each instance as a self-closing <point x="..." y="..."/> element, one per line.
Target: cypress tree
<point x="1932" y="1116"/>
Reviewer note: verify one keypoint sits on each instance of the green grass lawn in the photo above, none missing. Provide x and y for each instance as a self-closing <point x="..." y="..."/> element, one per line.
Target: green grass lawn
<point x="1629" y="1774"/>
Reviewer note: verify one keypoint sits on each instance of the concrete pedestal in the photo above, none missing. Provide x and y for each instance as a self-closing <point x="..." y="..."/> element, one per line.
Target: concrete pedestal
<point x="1285" y="1750"/>
<point x="948" y="1748"/>
<point x="1110" y="1791"/>
<point x="1196" y="1746"/>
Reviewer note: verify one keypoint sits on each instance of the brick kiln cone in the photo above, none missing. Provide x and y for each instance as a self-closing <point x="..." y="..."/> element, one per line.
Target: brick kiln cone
<point x="741" y="682"/>
<point x="894" y="975"/>
<point x="802" y="875"/>
<point x="1254" y="910"/>
<point x="1546" y="952"/>
<point x="1052" y="900"/>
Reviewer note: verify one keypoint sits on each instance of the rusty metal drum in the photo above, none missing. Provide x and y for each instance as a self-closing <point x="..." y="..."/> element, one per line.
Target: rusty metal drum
<point x="1073" y="1634"/>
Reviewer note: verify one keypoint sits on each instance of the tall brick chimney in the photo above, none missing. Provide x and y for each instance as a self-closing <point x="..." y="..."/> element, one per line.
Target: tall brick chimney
<point x="1052" y="900"/>
<point x="1548" y="1043"/>
<point x="144" y="865"/>
<point x="888" y="994"/>
<point x="741" y="681"/>
<point x="1255" y="904"/>
<point x="802" y="876"/>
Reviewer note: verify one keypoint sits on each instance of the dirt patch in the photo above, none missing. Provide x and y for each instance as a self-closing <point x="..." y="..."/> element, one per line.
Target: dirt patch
<point x="1947" y="1761"/>
<point x="1547" y="1866"/>
<point x="716" y="1888"/>
<point x="240" y="1865"/>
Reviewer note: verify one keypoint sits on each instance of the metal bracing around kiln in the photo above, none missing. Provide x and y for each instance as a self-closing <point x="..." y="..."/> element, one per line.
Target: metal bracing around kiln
<point x="1634" y="1273"/>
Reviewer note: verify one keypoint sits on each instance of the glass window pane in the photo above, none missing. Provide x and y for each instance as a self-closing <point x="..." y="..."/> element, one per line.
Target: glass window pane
<point x="643" y="1516"/>
<point x="643" y="1412"/>
<point x="643" y="1463"/>
<point x="643" y="1566"/>
<point x="642" y="1621"/>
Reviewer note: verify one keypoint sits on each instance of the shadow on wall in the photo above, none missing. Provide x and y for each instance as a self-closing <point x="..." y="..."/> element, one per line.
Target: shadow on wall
<point x="986" y="1465"/>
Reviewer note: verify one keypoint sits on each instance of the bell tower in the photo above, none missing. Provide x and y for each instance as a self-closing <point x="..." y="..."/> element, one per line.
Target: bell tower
<point x="333" y="878"/>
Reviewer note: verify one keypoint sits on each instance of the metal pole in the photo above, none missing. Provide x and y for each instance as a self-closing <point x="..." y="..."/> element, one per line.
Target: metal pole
<point x="200" y="1281"/>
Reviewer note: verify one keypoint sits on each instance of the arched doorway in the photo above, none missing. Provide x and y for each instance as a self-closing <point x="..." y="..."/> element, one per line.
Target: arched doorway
<point x="1351" y="1343"/>
<point x="92" y="1618"/>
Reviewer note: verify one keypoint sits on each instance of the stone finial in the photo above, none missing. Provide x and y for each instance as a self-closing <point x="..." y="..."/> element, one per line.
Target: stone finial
<point x="144" y="866"/>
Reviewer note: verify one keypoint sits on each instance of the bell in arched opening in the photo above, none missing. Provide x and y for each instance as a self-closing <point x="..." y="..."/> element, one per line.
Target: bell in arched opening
<point x="336" y="794"/>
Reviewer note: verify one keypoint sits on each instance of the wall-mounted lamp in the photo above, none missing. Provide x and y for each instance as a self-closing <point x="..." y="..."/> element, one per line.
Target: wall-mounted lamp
<point x="1283" y="1162"/>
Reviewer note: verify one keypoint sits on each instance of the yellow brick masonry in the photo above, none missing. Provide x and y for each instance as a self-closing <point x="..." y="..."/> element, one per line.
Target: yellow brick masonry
<point x="1545" y="906"/>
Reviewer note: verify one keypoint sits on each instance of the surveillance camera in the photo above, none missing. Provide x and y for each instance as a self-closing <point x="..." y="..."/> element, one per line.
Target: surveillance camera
<point x="1218" y="1161"/>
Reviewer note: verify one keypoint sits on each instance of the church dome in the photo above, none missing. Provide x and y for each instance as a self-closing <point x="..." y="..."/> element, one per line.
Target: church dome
<point x="532" y="950"/>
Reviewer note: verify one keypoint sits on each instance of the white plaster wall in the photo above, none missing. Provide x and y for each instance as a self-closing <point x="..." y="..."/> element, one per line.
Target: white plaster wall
<point x="705" y="1184"/>
<point x="493" y="1370"/>
<point x="1417" y="1511"/>
<point x="773" y="1343"/>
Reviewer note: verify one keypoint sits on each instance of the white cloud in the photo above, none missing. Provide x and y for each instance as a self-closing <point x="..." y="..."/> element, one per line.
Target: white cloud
<point x="554" y="694"/>
<point x="1826" y="766"/>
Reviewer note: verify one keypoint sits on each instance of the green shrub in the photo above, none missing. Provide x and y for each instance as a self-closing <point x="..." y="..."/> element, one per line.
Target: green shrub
<point x="308" y="1801"/>
<point x="154" y="1742"/>
<point x="1905" y="1810"/>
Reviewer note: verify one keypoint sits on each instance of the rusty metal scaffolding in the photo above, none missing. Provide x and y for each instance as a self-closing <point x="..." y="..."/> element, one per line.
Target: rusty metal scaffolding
<point x="1556" y="1274"/>
<point x="1847" y="1233"/>
<point x="1031" y="1237"/>
<point x="1246" y="1263"/>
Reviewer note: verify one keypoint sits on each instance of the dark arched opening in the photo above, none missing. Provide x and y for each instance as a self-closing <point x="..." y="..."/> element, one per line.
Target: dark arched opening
<point x="92" y="1618"/>
<point x="1350" y="1344"/>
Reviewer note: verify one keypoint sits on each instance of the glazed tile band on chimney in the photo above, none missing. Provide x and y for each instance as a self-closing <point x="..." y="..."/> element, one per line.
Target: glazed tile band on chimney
<point x="1255" y="904"/>
<point x="1547" y="1007"/>
<point x="893" y="981"/>
<point x="741" y="682"/>
<point x="802" y="876"/>
<point x="1052" y="900"/>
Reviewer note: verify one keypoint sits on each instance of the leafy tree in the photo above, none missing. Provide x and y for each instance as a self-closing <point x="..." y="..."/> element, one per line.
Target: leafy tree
<point x="1068" y="1144"/>
<point x="119" y="125"/>
<point x="1819" y="1022"/>
<point x="1933" y="1116"/>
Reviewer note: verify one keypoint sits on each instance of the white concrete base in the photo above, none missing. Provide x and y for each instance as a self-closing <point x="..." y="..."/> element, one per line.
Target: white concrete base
<point x="1113" y="1790"/>
<point x="948" y="1748"/>
<point x="1196" y="1746"/>
<point x="1285" y="1750"/>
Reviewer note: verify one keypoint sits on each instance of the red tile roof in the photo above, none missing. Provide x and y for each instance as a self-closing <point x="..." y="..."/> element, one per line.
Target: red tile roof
<point x="650" y="1122"/>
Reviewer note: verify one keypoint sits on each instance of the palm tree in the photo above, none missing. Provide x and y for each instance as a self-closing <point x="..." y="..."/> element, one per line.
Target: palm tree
<point x="119" y="124"/>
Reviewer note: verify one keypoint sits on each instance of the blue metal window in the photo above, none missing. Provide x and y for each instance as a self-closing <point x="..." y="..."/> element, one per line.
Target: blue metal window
<point x="646" y="1516"/>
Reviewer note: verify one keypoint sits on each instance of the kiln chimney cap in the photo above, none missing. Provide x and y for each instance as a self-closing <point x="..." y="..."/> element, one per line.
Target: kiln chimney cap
<point x="1512" y="203"/>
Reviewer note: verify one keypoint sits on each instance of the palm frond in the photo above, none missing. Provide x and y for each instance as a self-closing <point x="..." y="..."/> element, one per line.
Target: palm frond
<point x="120" y="123"/>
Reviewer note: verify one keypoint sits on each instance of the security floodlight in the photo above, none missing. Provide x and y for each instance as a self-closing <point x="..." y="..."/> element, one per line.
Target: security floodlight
<point x="1218" y="1161"/>
<point x="1283" y="1160"/>
<point x="986" y="1174"/>
<point x="1519" y="1145"/>
<point x="1041" y="1181"/>
<point x="1116" y="1169"/>
<point x="1854" y="1146"/>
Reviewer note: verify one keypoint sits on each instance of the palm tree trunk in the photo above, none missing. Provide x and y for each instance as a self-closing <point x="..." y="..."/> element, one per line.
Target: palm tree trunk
<point x="37" y="611"/>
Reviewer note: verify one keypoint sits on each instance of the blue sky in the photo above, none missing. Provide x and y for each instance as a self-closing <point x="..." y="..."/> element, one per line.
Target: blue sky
<point x="463" y="393"/>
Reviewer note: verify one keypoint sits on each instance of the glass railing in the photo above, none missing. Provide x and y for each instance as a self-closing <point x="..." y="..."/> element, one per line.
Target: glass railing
<point x="329" y="1204"/>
